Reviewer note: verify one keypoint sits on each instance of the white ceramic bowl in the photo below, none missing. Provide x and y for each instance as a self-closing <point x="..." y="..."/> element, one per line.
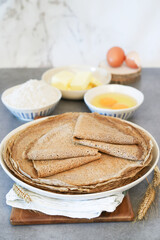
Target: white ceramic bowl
<point x="121" y="113"/>
<point x="101" y="74"/>
<point x="30" y="114"/>
<point x="154" y="162"/>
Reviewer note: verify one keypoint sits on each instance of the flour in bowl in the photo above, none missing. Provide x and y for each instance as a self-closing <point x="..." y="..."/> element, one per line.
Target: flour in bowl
<point x="31" y="94"/>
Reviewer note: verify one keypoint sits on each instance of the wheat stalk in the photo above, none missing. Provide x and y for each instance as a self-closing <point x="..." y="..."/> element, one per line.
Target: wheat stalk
<point x="21" y="193"/>
<point x="149" y="195"/>
<point x="156" y="178"/>
<point x="146" y="202"/>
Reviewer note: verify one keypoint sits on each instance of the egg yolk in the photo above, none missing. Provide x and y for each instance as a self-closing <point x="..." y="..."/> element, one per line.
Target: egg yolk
<point x="119" y="106"/>
<point x="107" y="102"/>
<point x="113" y="100"/>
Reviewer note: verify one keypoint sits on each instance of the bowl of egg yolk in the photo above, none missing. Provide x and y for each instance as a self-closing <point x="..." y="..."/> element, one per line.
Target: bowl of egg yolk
<point x="114" y="100"/>
<point x="74" y="80"/>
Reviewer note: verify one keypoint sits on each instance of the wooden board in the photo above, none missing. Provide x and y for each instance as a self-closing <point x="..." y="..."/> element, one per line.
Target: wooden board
<point x="124" y="212"/>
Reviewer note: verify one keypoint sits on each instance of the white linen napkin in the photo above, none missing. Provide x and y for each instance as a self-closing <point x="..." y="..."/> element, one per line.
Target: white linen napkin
<point x="69" y="208"/>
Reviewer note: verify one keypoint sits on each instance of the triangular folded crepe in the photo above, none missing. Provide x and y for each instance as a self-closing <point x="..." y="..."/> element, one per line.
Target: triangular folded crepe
<point x="58" y="144"/>
<point x="99" y="128"/>
<point x="21" y="141"/>
<point x="51" y="167"/>
<point x="112" y="136"/>
<point x="40" y="134"/>
<point x="132" y="152"/>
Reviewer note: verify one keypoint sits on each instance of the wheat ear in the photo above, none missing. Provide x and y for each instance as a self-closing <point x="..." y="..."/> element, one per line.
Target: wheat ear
<point x="21" y="193"/>
<point x="146" y="202"/>
<point x="156" y="178"/>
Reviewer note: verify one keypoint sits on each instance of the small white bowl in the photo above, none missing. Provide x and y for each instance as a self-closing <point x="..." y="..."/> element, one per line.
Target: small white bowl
<point x="101" y="74"/>
<point x="120" y="113"/>
<point x="30" y="114"/>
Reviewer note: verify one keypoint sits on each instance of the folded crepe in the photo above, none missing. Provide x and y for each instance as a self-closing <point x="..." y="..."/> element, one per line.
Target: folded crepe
<point x="58" y="144"/>
<point x="52" y="139"/>
<point x="48" y="168"/>
<point x="112" y="136"/>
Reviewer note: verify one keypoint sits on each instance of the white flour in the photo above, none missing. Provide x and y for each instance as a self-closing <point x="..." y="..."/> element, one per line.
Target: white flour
<point x="31" y="94"/>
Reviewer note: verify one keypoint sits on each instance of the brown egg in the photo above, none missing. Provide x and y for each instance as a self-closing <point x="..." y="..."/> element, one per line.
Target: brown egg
<point x="132" y="60"/>
<point x="115" y="56"/>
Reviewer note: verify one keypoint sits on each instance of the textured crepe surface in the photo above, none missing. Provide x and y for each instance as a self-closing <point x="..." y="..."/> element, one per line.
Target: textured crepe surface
<point x="22" y="140"/>
<point x="52" y="167"/>
<point x="132" y="152"/>
<point x="102" y="170"/>
<point x="58" y="144"/>
<point x="99" y="128"/>
<point x="106" y="173"/>
<point x="104" y="186"/>
<point x="112" y="136"/>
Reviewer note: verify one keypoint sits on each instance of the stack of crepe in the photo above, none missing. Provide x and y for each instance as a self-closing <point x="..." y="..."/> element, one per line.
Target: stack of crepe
<point x="78" y="153"/>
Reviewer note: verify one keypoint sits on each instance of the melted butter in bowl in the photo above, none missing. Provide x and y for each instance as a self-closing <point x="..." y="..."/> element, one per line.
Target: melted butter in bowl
<point x="113" y="100"/>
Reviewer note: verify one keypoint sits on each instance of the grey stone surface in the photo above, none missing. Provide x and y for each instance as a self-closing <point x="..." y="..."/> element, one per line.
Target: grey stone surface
<point x="147" y="116"/>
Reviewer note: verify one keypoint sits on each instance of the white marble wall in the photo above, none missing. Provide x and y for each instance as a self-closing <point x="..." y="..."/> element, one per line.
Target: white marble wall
<point x="38" y="33"/>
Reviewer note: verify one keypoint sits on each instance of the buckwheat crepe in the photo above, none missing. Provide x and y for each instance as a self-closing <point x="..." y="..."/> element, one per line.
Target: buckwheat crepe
<point x="58" y="144"/>
<point x="41" y="133"/>
<point x="112" y="136"/>
<point x="78" y="171"/>
<point x="105" y="169"/>
<point x="51" y="167"/>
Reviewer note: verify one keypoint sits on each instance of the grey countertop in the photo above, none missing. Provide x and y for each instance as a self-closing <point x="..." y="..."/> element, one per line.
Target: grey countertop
<point x="147" y="116"/>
